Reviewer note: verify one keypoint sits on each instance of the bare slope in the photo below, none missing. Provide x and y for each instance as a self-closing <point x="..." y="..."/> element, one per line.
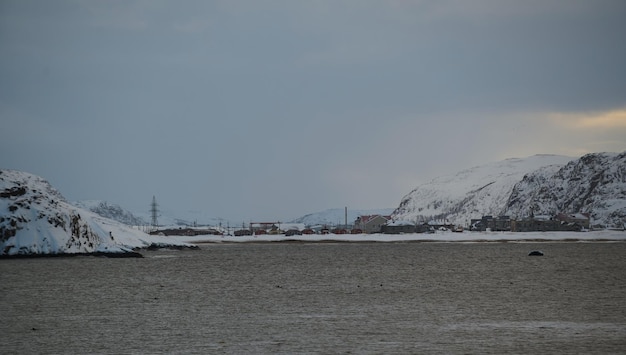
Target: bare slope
<point x="110" y="210"/>
<point x="472" y="193"/>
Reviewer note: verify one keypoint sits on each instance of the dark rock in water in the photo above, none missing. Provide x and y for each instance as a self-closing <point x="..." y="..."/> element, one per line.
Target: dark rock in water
<point x="535" y="253"/>
<point x="132" y="254"/>
<point x="156" y="246"/>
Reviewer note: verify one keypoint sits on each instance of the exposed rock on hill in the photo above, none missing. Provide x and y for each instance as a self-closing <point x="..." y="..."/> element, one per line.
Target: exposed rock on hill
<point x="36" y="219"/>
<point x="595" y="183"/>
<point x="472" y="193"/>
<point x="541" y="184"/>
<point x="111" y="211"/>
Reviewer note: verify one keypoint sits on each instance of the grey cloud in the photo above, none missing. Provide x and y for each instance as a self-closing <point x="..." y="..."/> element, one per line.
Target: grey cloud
<point x="242" y="100"/>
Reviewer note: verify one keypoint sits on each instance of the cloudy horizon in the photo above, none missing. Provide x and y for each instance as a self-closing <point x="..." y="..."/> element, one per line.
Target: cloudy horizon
<point x="269" y="110"/>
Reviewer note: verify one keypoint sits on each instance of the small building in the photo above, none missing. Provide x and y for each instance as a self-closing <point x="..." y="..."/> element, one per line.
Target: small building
<point x="259" y="228"/>
<point x="440" y="224"/>
<point x="582" y="220"/>
<point x="561" y="222"/>
<point x="398" y="227"/>
<point x="424" y="228"/>
<point x="539" y="223"/>
<point x="292" y="232"/>
<point x="496" y="224"/>
<point x="371" y="223"/>
<point x="242" y="232"/>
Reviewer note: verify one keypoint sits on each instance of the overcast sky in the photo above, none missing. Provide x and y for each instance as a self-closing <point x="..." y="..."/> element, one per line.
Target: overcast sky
<point x="269" y="110"/>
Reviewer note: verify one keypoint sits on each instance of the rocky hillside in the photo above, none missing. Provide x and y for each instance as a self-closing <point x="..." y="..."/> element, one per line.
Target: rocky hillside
<point x="111" y="211"/>
<point x="595" y="183"/>
<point x="541" y="184"/>
<point x="472" y="193"/>
<point x="36" y="219"/>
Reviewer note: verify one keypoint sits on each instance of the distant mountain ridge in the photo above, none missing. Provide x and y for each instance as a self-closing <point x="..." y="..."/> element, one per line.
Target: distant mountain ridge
<point x="542" y="184"/>
<point x="112" y="211"/>
<point x="336" y="216"/>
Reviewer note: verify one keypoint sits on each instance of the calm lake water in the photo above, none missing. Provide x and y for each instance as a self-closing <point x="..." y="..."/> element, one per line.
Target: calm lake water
<point x="487" y="298"/>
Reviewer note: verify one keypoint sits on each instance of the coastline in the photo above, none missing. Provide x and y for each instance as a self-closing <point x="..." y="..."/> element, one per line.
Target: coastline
<point x="439" y="237"/>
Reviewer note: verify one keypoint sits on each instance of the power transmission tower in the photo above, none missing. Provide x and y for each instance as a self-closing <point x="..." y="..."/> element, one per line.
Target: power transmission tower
<point x="154" y="211"/>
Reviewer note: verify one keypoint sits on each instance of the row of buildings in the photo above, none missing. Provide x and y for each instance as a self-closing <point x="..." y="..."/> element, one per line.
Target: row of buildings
<point x="387" y="225"/>
<point x="542" y="223"/>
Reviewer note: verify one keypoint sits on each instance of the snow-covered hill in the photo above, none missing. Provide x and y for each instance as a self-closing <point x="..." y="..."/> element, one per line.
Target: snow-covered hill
<point x="540" y="184"/>
<point x="595" y="183"/>
<point x="36" y="219"/>
<point x="474" y="192"/>
<point x="111" y="211"/>
<point x="336" y="216"/>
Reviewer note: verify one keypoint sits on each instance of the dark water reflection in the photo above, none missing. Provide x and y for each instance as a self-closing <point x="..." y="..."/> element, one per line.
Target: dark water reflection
<point x="322" y="298"/>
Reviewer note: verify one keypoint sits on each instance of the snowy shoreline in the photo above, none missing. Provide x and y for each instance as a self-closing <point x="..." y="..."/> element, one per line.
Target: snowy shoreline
<point x="465" y="237"/>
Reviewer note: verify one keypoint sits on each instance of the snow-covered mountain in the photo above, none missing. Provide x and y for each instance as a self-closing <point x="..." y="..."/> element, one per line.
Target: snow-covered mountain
<point x="36" y="219"/>
<point x="165" y="218"/>
<point x="111" y="211"/>
<point x="595" y="183"/>
<point x="540" y="184"/>
<point x="472" y="193"/>
<point x="336" y="216"/>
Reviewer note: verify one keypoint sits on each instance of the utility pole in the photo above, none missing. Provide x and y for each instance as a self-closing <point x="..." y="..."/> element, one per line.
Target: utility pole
<point x="154" y="211"/>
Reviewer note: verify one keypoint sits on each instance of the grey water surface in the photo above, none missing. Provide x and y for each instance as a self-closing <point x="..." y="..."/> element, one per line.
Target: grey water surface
<point x="361" y="298"/>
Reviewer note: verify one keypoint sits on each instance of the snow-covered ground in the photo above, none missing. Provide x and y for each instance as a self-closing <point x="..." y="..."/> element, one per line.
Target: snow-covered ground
<point x="604" y="235"/>
<point x="36" y="219"/>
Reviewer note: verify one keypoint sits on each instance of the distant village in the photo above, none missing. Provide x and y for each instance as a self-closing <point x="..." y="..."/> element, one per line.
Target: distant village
<point x="370" y="224"/>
